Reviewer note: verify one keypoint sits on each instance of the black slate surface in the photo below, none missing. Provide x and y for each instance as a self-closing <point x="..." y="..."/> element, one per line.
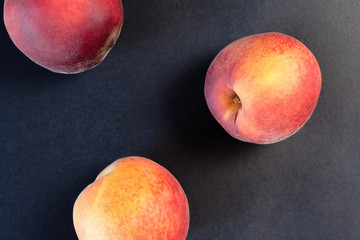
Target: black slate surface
<point x="57" y="132"/>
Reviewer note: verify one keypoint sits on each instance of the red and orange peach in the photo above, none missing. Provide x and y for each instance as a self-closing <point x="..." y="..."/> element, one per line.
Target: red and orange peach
<point x="134" y="198"/>
<point x="263" y="88"/>
<point x="64" y="36"/>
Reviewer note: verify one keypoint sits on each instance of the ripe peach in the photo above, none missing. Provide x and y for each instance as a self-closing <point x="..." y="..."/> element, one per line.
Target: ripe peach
<point x="263" y="88"/>
<point x="133" y="198"/>
<point x="64" y="36"/>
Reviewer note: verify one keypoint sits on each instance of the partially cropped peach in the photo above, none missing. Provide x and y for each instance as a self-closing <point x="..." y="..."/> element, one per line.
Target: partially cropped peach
<point x="64" y="36"/>
<point x="263" y="88"/>
<point x="134" y="198"/>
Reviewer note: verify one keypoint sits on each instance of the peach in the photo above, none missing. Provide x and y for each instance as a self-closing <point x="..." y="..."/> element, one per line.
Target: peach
<point x="263" y="88"/>
<point x="64" y="36"/>
<point x="133" y="198"/>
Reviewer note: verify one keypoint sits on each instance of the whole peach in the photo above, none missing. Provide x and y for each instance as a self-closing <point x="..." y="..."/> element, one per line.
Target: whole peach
<point x="64" y="36"/>
<point x="263" y="88"/>
<point x="134" y="198"/>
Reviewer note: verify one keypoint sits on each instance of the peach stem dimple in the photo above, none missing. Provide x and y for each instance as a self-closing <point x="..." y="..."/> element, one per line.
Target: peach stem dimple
<point x="237" y="99"/>
<point x="237" y="106"/>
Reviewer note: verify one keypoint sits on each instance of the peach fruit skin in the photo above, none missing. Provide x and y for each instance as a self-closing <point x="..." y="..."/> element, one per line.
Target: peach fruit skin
<point x="64" y="36"/>
<point x="263" y="88"/>
<point x="134" y="198"/>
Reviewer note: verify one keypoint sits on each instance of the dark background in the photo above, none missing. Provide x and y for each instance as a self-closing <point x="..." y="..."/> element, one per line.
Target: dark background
<point x="57" y="132"/>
